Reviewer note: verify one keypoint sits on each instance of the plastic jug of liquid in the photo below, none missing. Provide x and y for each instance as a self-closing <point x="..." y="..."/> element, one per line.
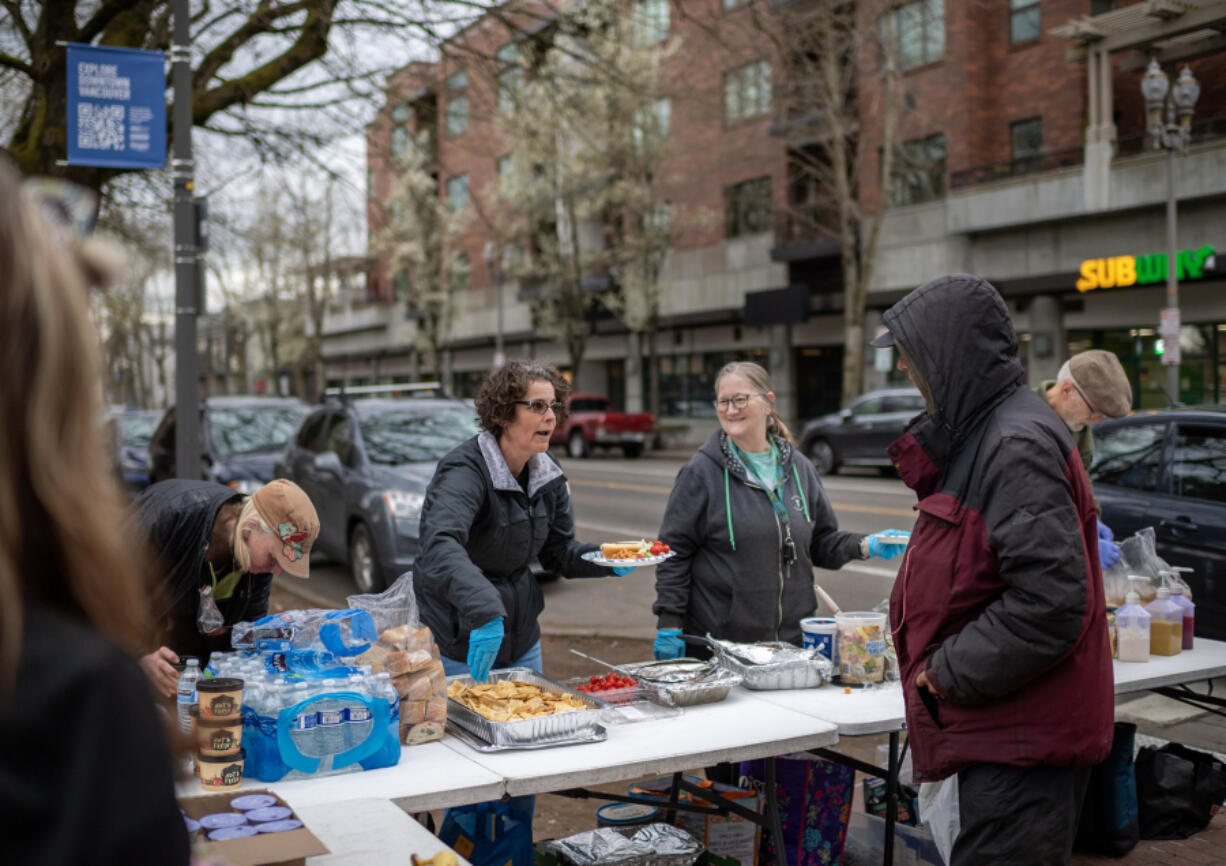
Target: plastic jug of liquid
<point x="1180" y="596"/>
<point x="1132" y="630"/>
<point x="1166" y="624"/>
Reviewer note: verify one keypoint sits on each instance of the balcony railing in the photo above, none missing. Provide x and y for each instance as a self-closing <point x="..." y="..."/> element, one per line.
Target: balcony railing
<point x="1026" y="165"/>
<point x="1126" y="145"/>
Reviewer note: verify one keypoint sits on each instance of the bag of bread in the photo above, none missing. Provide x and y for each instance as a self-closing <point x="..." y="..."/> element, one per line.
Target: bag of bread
<point x="406" y="649"/>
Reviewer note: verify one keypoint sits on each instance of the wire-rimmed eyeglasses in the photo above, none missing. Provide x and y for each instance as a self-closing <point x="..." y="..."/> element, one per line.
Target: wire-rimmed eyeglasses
<point x="538" y="407"/>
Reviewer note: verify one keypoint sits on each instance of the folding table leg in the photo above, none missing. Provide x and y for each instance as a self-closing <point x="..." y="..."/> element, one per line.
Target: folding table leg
<point x="674" y="797"/>
<point x="772" y="810"/>
<point x="891" y="801"/>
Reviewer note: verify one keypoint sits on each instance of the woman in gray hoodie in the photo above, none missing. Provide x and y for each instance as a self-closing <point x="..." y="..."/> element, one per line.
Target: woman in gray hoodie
<point x="748" y="519"/>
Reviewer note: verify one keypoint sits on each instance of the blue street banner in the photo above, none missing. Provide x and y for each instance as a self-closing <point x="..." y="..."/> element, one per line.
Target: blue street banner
<point x="116" y="107"/>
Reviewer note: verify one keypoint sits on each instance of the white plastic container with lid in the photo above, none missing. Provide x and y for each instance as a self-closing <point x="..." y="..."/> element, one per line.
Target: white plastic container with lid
<point x="1166" y="624"/>
<point x="1132" y="630"/>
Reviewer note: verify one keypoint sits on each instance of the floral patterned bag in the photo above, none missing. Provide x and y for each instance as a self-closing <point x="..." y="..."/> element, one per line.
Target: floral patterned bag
<point x="814" y="806"/>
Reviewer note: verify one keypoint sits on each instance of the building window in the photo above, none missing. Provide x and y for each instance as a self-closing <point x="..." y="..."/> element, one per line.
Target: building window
<point x="457" y="114"/>
<point x="1026" y="138"/>
<point x="747" y="92"/>
<point x="732" y="4"/>
<point x="651" y="122"/>
<point x="400" y="131"/>
<point x="457" y="192"/>
<point x="650" y="21"/>
<point x="457" y="81"/>
<point x="915" y="32"/>
<point x="459" y="272"/>
<point x="400" y="286"/>
<point x="510" y="76"/>
<point x="1098" y="7"/>
<point x="919" y="174"/>
<point x="747" y="207"/>
<point x="1023" y="20"/>
<point x="370" y="182"/>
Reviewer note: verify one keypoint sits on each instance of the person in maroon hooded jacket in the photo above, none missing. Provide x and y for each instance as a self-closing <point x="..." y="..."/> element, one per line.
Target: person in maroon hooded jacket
<point x="998" y="613"/>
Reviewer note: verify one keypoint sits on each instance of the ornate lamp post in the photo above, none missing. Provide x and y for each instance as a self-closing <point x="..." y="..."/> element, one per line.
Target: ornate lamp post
<point x="1169" y="121"/>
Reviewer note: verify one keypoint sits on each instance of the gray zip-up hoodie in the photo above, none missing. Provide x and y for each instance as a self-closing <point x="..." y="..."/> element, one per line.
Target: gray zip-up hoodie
<point x="730" y="576"/>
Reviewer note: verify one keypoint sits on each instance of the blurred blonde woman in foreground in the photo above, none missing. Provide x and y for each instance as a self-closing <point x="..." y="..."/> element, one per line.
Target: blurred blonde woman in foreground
<point x="85" y="772"/>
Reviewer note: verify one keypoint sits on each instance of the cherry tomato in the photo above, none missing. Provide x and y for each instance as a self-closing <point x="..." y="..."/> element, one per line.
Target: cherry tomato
<point x="656" y="548"/>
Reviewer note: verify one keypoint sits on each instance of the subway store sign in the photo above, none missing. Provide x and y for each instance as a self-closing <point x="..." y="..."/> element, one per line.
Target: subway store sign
<point x="1121" y="271"/>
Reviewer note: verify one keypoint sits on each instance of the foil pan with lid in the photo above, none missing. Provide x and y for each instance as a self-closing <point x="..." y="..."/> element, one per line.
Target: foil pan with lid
<point x="770" y="665"/>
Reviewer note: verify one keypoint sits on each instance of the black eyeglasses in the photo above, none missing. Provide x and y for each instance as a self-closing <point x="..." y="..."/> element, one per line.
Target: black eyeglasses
<point x="538" y="407"/>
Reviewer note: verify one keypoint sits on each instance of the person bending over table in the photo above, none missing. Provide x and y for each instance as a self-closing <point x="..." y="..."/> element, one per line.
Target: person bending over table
<point x="207" y="535"/>
<point x="496" y="503"/>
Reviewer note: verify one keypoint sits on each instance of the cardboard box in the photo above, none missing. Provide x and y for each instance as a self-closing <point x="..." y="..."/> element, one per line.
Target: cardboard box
<point x="289" y="848"/>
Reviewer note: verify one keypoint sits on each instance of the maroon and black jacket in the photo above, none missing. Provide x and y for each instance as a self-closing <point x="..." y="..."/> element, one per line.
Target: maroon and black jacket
<point x="1000" y="596"/>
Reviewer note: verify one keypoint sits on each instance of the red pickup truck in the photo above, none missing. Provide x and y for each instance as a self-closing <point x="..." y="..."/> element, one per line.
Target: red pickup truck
<point x="591" y="421"/>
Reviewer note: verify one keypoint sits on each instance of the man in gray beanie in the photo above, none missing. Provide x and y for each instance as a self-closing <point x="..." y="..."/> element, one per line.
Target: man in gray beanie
<point x="1090" y="386"/>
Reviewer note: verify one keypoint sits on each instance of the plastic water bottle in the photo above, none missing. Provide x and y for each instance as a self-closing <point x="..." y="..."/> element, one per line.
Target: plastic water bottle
<point x="187" y="693"/>
<point x="357" y="716"/>
<point x="389" y="754"/>
<point x="330" y="729"/>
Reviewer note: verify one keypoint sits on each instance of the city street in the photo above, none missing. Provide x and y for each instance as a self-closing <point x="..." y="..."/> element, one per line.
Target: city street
<point x="615" y="498"/>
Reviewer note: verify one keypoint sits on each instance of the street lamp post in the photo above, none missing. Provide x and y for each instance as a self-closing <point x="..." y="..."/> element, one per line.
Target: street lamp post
<point x="493" y="268"/>
<point x="1169" y="122"/>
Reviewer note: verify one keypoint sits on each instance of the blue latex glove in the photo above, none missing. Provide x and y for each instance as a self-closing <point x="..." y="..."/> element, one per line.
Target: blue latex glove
<point x="876" y="547"/>
<point x="1108" y="550"/>
<point x="669" y="644"/>
<point x="483" y="644"/>
<point x="621" y="570"/>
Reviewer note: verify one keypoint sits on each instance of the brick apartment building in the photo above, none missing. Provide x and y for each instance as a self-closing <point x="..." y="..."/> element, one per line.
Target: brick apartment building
<point x="1019" y="160"/>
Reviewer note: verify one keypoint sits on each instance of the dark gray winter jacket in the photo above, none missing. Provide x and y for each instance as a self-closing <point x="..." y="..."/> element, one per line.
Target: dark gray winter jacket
<point x="730" y="575"/>
<point x="479" y="534"/>
<point x="176" y="516"/>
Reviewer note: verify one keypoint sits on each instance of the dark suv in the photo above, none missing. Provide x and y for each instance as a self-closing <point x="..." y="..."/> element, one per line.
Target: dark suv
<point x="241" y="439"/>
<point x="366" y="465"/>
<point x="1167" y="469"/>
<point x="859" y="434"/>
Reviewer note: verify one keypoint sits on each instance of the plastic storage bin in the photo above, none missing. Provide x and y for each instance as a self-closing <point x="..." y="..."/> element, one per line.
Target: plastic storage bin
<point x="865" y="845"/>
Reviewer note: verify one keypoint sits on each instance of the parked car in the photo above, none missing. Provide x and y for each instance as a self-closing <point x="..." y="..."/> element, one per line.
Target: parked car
<point x="130" y="431"/>
<point x="1167" y="469"/>
<point x="859" y="434"/>
<point x="366" y="465"/>
<point x="591" y="421"/>
<point x="241" y="439"/>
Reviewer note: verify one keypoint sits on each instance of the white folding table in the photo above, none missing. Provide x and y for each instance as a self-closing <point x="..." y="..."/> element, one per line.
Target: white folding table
<point x="362" y="832"/>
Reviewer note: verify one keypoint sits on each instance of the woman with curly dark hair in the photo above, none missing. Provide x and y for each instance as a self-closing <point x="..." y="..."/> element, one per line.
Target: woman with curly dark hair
<point x="496" y="503"/>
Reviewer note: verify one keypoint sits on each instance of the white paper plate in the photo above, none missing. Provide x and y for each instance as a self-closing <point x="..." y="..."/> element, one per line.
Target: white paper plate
<point x="595" y="558"/>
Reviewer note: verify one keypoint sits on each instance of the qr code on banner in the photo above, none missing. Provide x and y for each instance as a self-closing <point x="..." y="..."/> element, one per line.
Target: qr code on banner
<point x="99" y="127"/>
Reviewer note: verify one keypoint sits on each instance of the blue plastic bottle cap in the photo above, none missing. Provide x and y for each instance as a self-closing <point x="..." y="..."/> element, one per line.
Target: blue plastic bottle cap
<point x="268" y="813"/>
<point x="278" y="826"/>
<point x="247" y="802"/>
<point x="192" y="825"/>
<point x="222" y="819"/>
<point x="231" y="833"/>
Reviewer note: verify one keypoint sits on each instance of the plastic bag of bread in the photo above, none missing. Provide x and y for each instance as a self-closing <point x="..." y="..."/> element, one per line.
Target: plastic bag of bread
<point x="406" y="649"/>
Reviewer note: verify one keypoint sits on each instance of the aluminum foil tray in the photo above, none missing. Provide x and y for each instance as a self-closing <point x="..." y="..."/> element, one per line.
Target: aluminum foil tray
<point x="597" y="735"/>
<point x="527" y="732"/>
<point x="709" y="691"/>
<point x="797" y="674"/>
<point x="650" y="845"/>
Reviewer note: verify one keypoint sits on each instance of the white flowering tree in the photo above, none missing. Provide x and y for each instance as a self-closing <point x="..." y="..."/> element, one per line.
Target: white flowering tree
<point x="418" y="238"/>
<point x="580" y="210"/>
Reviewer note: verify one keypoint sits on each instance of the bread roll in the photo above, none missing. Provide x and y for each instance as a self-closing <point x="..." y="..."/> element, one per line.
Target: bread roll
<point x="620" y="549"/>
